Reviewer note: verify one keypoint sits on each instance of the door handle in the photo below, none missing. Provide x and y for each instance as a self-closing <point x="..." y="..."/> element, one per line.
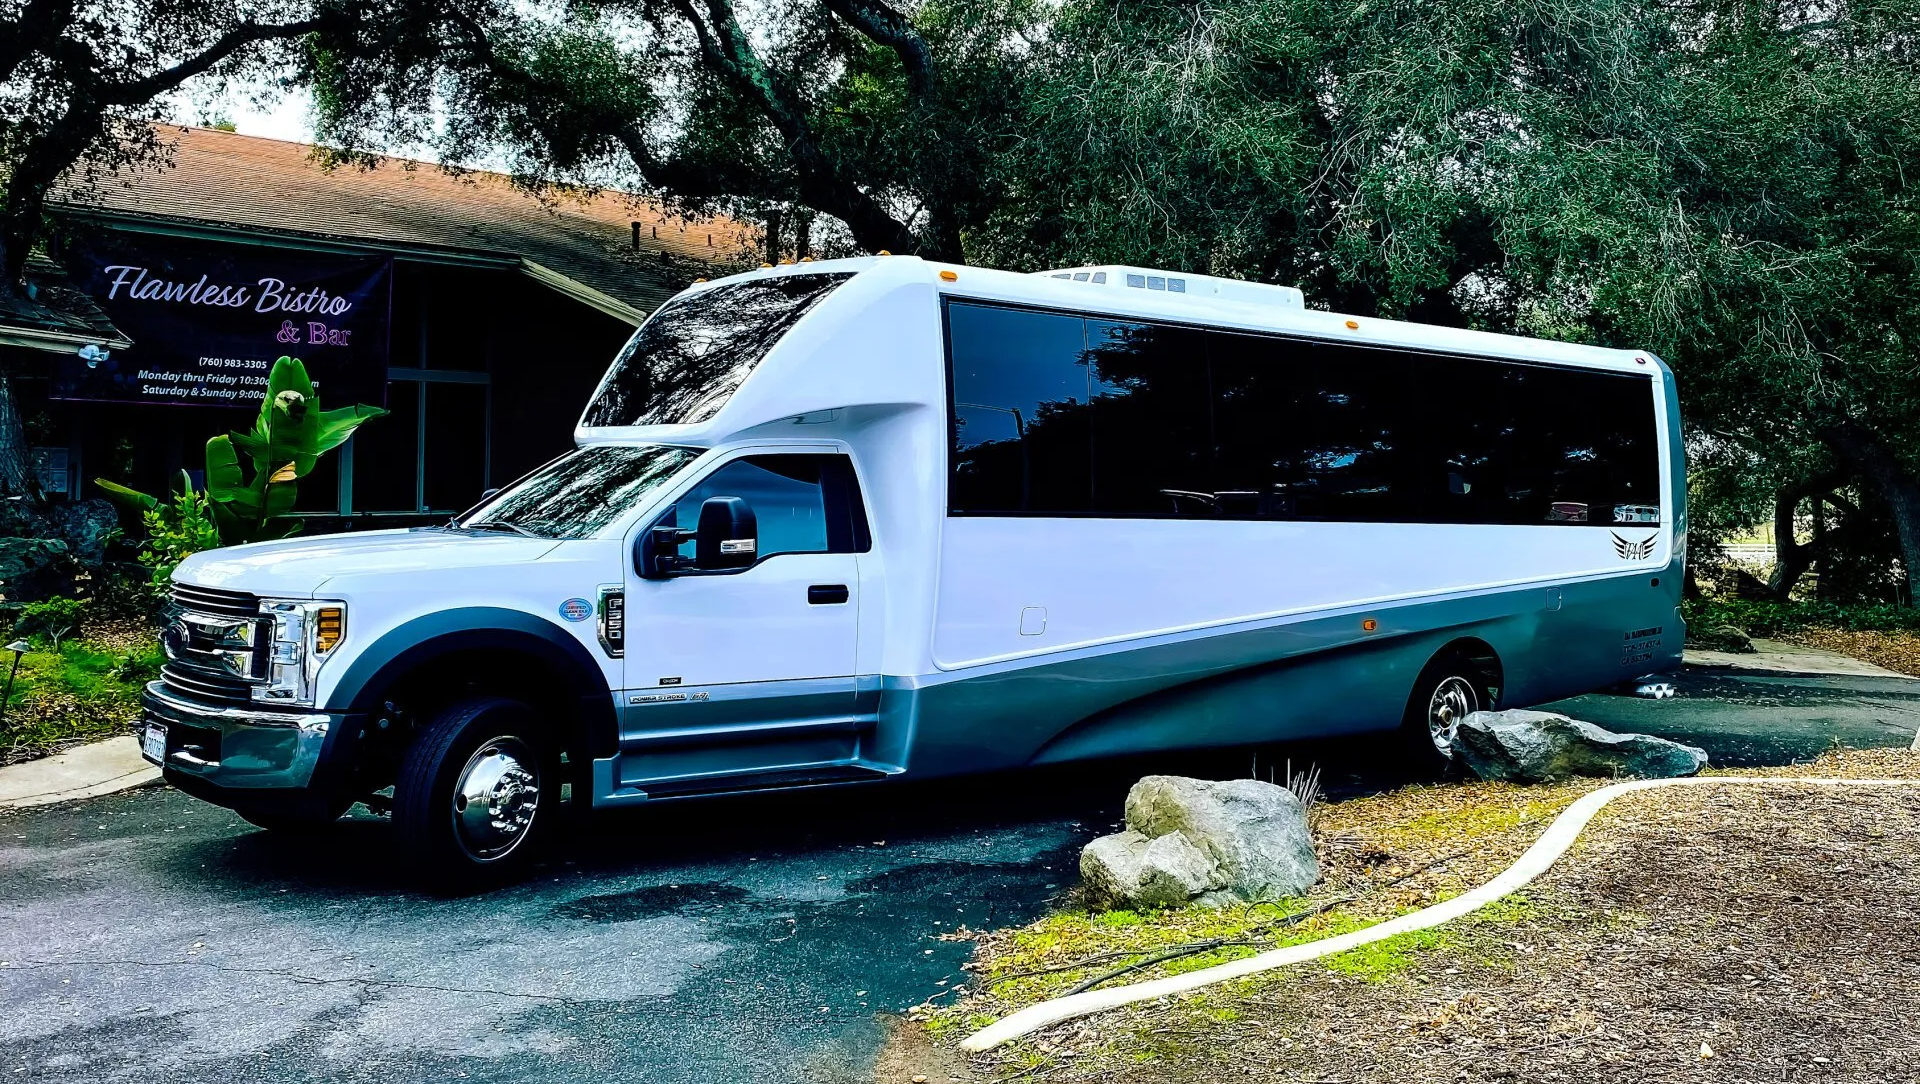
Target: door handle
<point x="827" y="594"/>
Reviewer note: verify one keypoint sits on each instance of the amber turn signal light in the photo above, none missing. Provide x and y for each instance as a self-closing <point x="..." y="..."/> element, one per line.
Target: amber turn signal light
<point x="329" y="628"/>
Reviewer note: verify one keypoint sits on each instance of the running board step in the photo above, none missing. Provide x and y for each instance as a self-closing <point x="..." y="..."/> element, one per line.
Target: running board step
<point x="772" y="779"/>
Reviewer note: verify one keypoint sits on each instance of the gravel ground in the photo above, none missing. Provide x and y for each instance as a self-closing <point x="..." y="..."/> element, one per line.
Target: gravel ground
<point x="1699" y="934"/>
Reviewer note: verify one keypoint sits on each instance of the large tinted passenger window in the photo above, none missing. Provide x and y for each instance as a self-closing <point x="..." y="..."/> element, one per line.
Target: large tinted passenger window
<point x="1314" y="431"/>
<point x="1059" y="414"/>
<point x="1021" y="435"/>
<point x="686" y="362"/>
<point x="1533" y="444"/>
<point x="1152" y="419"/>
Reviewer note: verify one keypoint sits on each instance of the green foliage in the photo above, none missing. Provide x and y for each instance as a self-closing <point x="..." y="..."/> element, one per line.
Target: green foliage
<point x="53" y="619"/>
<point x="289" y="435"/>
<point x="78" y="692"/>
<point x="176" y="532"/>
<point x="1774" y="618"/>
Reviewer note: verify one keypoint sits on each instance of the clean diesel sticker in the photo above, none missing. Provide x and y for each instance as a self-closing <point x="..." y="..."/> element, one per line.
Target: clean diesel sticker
<point x="576" y="609"/>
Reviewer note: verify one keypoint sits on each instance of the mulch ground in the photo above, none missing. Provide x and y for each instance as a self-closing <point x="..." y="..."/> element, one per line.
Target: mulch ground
<point x="1718" y="934"/>
<point x="1895" y="649"/>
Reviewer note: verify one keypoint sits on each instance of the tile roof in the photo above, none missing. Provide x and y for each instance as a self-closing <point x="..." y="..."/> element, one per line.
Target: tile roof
<point x="221" y="178"/>
<point x="50" y="313"/>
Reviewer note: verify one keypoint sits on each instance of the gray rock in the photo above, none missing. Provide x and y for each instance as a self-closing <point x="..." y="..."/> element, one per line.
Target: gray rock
<point x="1729" y="638"/>
<point x="32" y="569"/>
<point x="85" y="526"/>
<point x="1217" y="842"/>
<point x="1539" y="746"/>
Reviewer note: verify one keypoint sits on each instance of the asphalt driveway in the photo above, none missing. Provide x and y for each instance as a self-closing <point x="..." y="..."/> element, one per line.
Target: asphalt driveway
<point x="149" y="936"/>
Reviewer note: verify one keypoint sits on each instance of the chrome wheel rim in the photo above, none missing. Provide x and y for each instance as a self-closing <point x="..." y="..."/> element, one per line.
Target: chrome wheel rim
<point x="496" y="798"/>
<point x="1453" y="699"/>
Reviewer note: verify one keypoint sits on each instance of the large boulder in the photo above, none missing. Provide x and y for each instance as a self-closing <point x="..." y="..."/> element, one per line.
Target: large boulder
<point x="1539" y="746"/>
<point x="32" y="569"/>
<point x="1194" y="839"/>
<point x="85" y="526"/>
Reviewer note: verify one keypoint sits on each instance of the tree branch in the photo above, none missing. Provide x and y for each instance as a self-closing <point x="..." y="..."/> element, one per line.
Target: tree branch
<point x="890" y="28"/>
<point x="241" y="36"/>
<point x="39" y="23"/>
<point x="725" y="49"/>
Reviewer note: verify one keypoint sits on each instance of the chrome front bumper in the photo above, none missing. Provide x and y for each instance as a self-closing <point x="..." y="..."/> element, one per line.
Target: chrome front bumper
<point x="235" y="747"/>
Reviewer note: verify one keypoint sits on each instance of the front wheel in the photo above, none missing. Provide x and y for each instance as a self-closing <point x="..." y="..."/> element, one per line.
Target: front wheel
<point x="1451" y="688"/>
<point x="475" y="793"/>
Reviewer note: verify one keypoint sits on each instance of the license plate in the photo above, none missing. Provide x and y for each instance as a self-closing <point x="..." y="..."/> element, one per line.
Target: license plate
<point x="153" y="742"/>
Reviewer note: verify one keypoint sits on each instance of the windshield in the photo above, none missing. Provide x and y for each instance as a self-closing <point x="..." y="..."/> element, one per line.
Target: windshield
<point x="579" y="493"/>
<point x="684" y="364"/>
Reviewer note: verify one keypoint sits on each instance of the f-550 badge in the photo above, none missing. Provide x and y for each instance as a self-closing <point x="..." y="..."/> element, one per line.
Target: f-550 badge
<point x="1633" y="551"/>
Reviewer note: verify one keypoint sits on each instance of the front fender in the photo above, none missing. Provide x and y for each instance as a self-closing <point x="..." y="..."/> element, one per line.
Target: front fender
<point x="372" y="673"/>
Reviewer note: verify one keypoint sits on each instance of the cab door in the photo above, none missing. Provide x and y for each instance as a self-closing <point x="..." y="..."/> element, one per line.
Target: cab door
<point x="749" y="670"/>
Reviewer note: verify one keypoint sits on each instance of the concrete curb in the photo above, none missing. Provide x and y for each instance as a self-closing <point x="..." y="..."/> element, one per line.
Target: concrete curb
<point x="85" y="771"/>
<point x="1553" y="843"/>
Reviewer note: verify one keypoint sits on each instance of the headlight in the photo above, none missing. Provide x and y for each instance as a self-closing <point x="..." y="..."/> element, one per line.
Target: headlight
<point x="303" y="636"/>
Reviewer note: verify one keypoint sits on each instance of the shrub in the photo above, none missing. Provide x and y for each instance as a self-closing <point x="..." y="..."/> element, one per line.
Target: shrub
<point x="55" y="619"/>
<point x="1773" y="618"/>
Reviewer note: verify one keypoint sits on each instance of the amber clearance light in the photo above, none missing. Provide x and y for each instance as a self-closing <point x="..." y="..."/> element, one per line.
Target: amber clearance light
<point x="329" y="628"/>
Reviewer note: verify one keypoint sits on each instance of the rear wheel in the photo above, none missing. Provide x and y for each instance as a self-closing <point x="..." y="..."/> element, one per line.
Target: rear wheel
<point x="475" y="792"/>
<point x="1452" y="687"/>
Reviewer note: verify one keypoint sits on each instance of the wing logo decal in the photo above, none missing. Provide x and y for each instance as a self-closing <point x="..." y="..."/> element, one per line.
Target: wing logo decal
<point x="1634" y="551"/>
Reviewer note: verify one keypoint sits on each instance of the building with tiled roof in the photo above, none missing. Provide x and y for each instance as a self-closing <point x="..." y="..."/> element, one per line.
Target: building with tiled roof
<point x="479" y="314"/>
<point x="621" y="247"/>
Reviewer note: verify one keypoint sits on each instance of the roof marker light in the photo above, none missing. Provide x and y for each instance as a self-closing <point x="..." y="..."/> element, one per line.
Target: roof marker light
<point x="1353" y="325"/>
<point x="883" y="252"/>
<point x="948" y="276"/>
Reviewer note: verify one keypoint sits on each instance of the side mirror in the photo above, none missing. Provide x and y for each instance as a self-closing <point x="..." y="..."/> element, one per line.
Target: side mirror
<point x="726" y="538"/>
<point x="728" y="535"/>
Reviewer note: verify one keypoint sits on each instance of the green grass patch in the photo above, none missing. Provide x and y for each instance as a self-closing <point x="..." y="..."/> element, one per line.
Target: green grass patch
<point x="78" y="693"/>
<point x="1382" y="960"/>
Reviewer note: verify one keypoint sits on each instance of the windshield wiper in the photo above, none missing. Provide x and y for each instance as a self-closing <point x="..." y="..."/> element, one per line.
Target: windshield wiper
<point x="496" y="525"/>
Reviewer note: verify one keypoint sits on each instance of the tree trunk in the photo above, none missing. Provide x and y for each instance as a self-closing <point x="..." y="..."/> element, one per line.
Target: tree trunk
<point x="1859" y="446"/>
<point x="16" y="471"/>
<point x="773" y="236"/>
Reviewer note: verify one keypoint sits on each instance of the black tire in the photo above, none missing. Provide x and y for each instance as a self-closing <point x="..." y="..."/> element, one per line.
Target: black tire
<point x="1451" y="686"/>
<point x="500" y="749"/>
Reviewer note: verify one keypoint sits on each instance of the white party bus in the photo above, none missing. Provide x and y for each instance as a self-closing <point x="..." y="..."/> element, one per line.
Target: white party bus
<point x="881" y="518"/>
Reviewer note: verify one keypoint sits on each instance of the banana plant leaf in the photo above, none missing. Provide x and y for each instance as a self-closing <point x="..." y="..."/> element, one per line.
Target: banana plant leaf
<point x="291" y="428"/>
<point x="128" y="498"/>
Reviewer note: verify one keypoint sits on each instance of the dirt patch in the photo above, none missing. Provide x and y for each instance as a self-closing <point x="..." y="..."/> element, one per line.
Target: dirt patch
<point x="1705" y="933"/>
<point x="1895" y="649"/>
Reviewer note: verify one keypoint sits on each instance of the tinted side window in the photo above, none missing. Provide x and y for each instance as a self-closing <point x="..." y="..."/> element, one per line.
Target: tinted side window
<point x="1315" y="431"/>
<point x="1022" y="440"/>
<point x="803" y="503"/>
<point x="1531" y="444"/>
<point x="1152" y="420"/>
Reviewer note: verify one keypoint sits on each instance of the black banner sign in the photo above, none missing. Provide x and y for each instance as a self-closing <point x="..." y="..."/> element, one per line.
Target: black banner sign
<point x="207" y="321"/>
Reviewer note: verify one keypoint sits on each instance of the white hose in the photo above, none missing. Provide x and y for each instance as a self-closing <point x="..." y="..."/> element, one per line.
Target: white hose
<point x="1553" y="843"/>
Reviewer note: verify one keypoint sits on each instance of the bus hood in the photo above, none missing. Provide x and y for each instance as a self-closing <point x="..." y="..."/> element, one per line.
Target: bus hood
<point x="300" y="567"/>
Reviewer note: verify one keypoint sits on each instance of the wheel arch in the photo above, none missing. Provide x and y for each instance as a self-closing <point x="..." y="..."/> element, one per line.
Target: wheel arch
<point x="1480" y="655"/>
<point x="491" y="650"/>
